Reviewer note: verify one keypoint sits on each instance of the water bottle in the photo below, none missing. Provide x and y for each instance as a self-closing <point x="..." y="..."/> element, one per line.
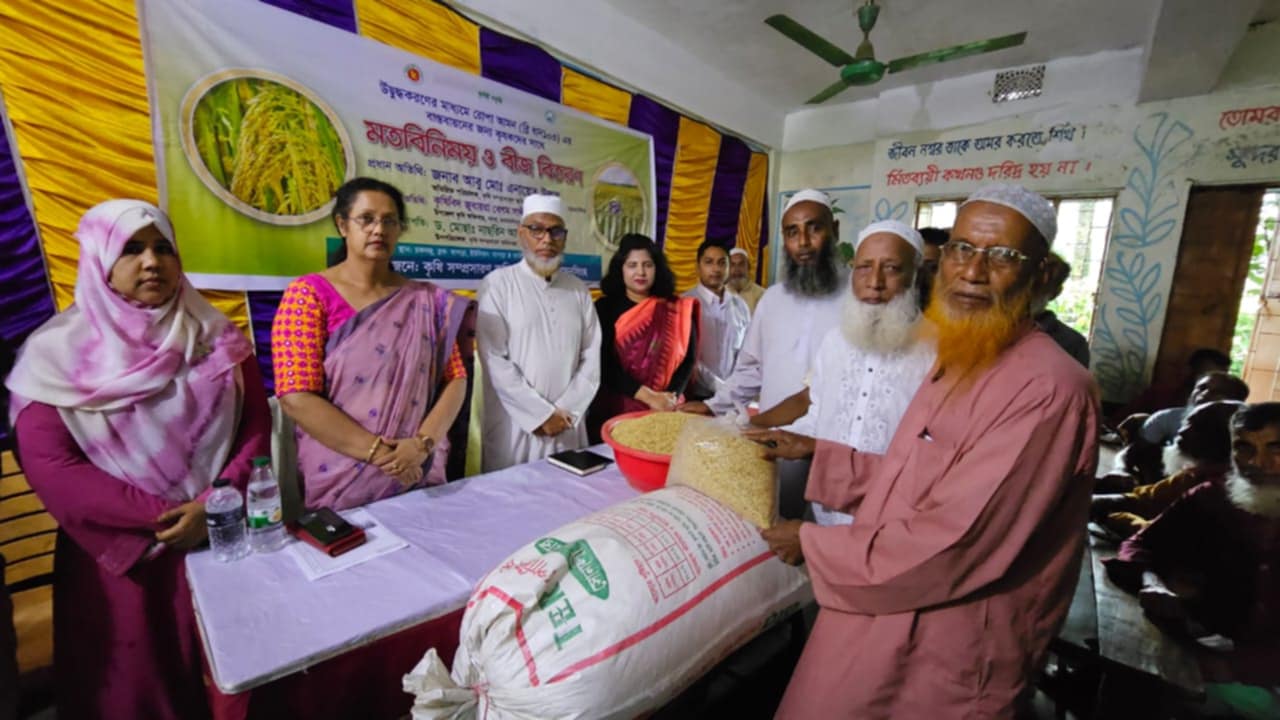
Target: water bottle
<point x="224" y="513"/>
<point x="266" y="523"/>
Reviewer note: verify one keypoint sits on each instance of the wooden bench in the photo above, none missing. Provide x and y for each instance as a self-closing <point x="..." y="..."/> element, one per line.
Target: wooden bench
<point x="27" y="535"/>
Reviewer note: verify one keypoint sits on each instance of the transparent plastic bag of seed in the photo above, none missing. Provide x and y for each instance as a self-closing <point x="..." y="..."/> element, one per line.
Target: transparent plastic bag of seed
<point x="713" y="458"/>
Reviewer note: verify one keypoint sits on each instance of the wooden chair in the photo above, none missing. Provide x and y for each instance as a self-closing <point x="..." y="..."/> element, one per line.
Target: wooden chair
<point x="27" y="535"/>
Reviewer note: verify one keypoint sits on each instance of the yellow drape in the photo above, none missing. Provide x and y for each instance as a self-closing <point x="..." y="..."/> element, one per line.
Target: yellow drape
<point x="424" y="28"/>
<point x="76" y="93"/>
<point x="697" y="151"/>
<point x="590" y="95"/>
<point x="752" y="208"/>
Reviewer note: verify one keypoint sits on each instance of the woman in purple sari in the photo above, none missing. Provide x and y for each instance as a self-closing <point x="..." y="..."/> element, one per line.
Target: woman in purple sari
<point x="126" y="407"/>
<point x="650" y="337"/>
<point x="369" y="364"/>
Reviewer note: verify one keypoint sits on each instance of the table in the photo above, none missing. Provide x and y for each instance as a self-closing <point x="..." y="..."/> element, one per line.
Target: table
<point x="260" y="620"/>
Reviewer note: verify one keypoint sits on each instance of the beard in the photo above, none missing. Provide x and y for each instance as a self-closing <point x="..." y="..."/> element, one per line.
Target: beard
<point x="816" y="280"/>
<point x="738" y="284"/>
<point x="545" y="268"/>
<point x="1263" y="500"/>
<point x="1174" y="460"/>
<point x="882" y="328"/>
<point x="969" y="342"/>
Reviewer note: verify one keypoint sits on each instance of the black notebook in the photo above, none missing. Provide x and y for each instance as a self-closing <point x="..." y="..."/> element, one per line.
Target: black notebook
<point x="579" y="462"/>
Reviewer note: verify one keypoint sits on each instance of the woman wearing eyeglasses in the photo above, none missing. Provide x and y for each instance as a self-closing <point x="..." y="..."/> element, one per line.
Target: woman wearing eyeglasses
<point x="368" y="363"/>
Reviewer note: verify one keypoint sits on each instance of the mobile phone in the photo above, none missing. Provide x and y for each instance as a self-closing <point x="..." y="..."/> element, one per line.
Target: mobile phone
<point x="328" y="531"/>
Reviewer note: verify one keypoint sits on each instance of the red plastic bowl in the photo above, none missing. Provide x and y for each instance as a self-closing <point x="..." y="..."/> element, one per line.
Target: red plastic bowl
<point x="644" y="471"/>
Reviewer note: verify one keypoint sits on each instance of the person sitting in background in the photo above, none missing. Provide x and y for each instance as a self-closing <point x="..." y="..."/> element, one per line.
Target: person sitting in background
<point x="740" y="280"/>
<point x="1076" y="345"/>
<point x="934" y="239"/>
<point x="723" y="326"/>
<point x="126" y="407"/>
<point x="649" y="337"/>
<point x="1161" y="427"/>
<point x="369" y="363"/>
<point x="869" y="368"/>
<point x="1207" y="567"/>
<point x="1159" y="396"/>
<point x="1200" y="453"/>
<point x="1146" y="437"/>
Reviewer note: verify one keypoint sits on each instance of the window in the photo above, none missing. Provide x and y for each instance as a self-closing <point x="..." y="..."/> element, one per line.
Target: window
<point x="1083" y="223"/>
<point x="1251" y="299"/>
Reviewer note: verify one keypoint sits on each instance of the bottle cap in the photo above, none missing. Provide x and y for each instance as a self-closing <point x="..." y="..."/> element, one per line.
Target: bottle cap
<point x="261" y="461"/>
<point x="222" y="482"/>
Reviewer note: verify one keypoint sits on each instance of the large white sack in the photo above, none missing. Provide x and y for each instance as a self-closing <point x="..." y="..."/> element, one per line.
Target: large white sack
<point x="612" y="615"/>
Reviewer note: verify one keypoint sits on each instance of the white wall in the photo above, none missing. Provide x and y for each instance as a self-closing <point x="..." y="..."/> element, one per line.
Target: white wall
<point x="1148" y="154"/>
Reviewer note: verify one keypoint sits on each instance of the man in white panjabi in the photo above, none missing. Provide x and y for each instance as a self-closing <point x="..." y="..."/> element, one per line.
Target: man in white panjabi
<point x="725" y="317"/>
<point x="869" y="368"/>
<point x="793" y="316"/>
<point x="538" y="340"/>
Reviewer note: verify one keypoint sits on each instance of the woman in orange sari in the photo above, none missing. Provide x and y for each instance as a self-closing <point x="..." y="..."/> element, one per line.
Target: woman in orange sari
<point x="650" y="336"/>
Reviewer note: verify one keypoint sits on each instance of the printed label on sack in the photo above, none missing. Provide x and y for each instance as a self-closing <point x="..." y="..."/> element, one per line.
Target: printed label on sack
<point x="583" y="564"/>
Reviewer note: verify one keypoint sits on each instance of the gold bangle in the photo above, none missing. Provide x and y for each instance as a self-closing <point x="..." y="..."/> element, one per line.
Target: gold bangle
<point x="377" y="443"/>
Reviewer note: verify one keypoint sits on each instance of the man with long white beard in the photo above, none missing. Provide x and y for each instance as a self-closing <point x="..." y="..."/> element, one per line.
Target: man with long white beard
<point x="538" y="340"/>
<point x="1209" y="566"/>
<point x="940" y="600"/>
<point x="869" y="368"/>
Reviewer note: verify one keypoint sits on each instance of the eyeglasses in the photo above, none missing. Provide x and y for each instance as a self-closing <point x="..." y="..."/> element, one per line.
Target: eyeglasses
<point x="390" y="223"/>
<point x="557" y="233"/>
<point x="999" y="257"/>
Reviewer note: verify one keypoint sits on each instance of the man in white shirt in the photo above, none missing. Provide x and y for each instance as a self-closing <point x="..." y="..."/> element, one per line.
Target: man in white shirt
<point x="740" y="278"/>
<point x="725" y="317"/>
<point x="539" y="346"/>
<point x="869" y="368"/>
<point x="789" y="324"/>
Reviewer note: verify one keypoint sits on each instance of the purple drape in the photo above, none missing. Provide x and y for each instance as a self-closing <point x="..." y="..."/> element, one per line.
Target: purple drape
<point x="338" y="13"/>
<point x="519" y="64"/>
<point x="663" y="124"/>
<point x="765" y="233"/>
<point x="27" y="300"/>
<point x="726" y="190"/>
<point x="262" y="310"/>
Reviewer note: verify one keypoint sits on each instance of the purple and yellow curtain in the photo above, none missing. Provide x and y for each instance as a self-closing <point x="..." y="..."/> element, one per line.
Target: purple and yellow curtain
<point x="75" y="100"/>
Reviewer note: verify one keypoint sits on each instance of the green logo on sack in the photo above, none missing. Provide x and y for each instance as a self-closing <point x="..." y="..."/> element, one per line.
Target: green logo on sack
<point x="583" y="564"/>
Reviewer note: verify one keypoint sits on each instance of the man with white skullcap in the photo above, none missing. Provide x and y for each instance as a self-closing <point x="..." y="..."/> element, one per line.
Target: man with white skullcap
<point x="740" y="278"/>
<point x="868" y="368"/>
<point x="941" y="598"/>
<point x="789" y="323"/>
<point x="538" y="340"/>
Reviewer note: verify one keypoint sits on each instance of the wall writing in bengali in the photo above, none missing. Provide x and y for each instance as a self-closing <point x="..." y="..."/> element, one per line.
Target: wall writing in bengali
<point x="1253" y="155"/>
<point x="1237" y="117"/>
<point x="1007" y="170"/>
<point x="1032" y="139"/>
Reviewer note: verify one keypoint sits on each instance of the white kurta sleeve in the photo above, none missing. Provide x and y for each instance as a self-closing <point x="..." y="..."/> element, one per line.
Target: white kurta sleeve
<point x="743" y="385"/>
<point x="586" y="375"/>
<point x="527" y="408"/>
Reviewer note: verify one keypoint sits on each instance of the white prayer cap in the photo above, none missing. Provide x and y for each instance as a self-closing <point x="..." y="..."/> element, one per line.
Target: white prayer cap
<point x="809" y="195"/>
<point x="893" y="227"/>
<point x="739" y="251"/>
<point x="1033" y="206"/>
<point x="543" y="204"/>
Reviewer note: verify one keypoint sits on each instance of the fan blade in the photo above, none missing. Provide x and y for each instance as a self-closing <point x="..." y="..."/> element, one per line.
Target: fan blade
<point x="956" y="52"/>
<point x="827" y="94"/>
<point x="809" y="39"/>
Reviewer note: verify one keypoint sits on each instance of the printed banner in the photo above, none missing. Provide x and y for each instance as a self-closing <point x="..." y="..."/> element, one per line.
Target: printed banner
<point x="260" y="114"/>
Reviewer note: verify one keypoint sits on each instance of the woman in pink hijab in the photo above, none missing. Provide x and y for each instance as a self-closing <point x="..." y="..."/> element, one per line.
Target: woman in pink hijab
<point x="125" y="408"/>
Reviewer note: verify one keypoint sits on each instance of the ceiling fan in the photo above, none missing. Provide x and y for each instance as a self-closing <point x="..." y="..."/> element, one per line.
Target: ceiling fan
<point x="862" y="68"/>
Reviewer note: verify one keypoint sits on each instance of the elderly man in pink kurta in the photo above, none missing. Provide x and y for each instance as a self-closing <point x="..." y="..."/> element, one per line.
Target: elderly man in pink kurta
<point x="941" y="599"/>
